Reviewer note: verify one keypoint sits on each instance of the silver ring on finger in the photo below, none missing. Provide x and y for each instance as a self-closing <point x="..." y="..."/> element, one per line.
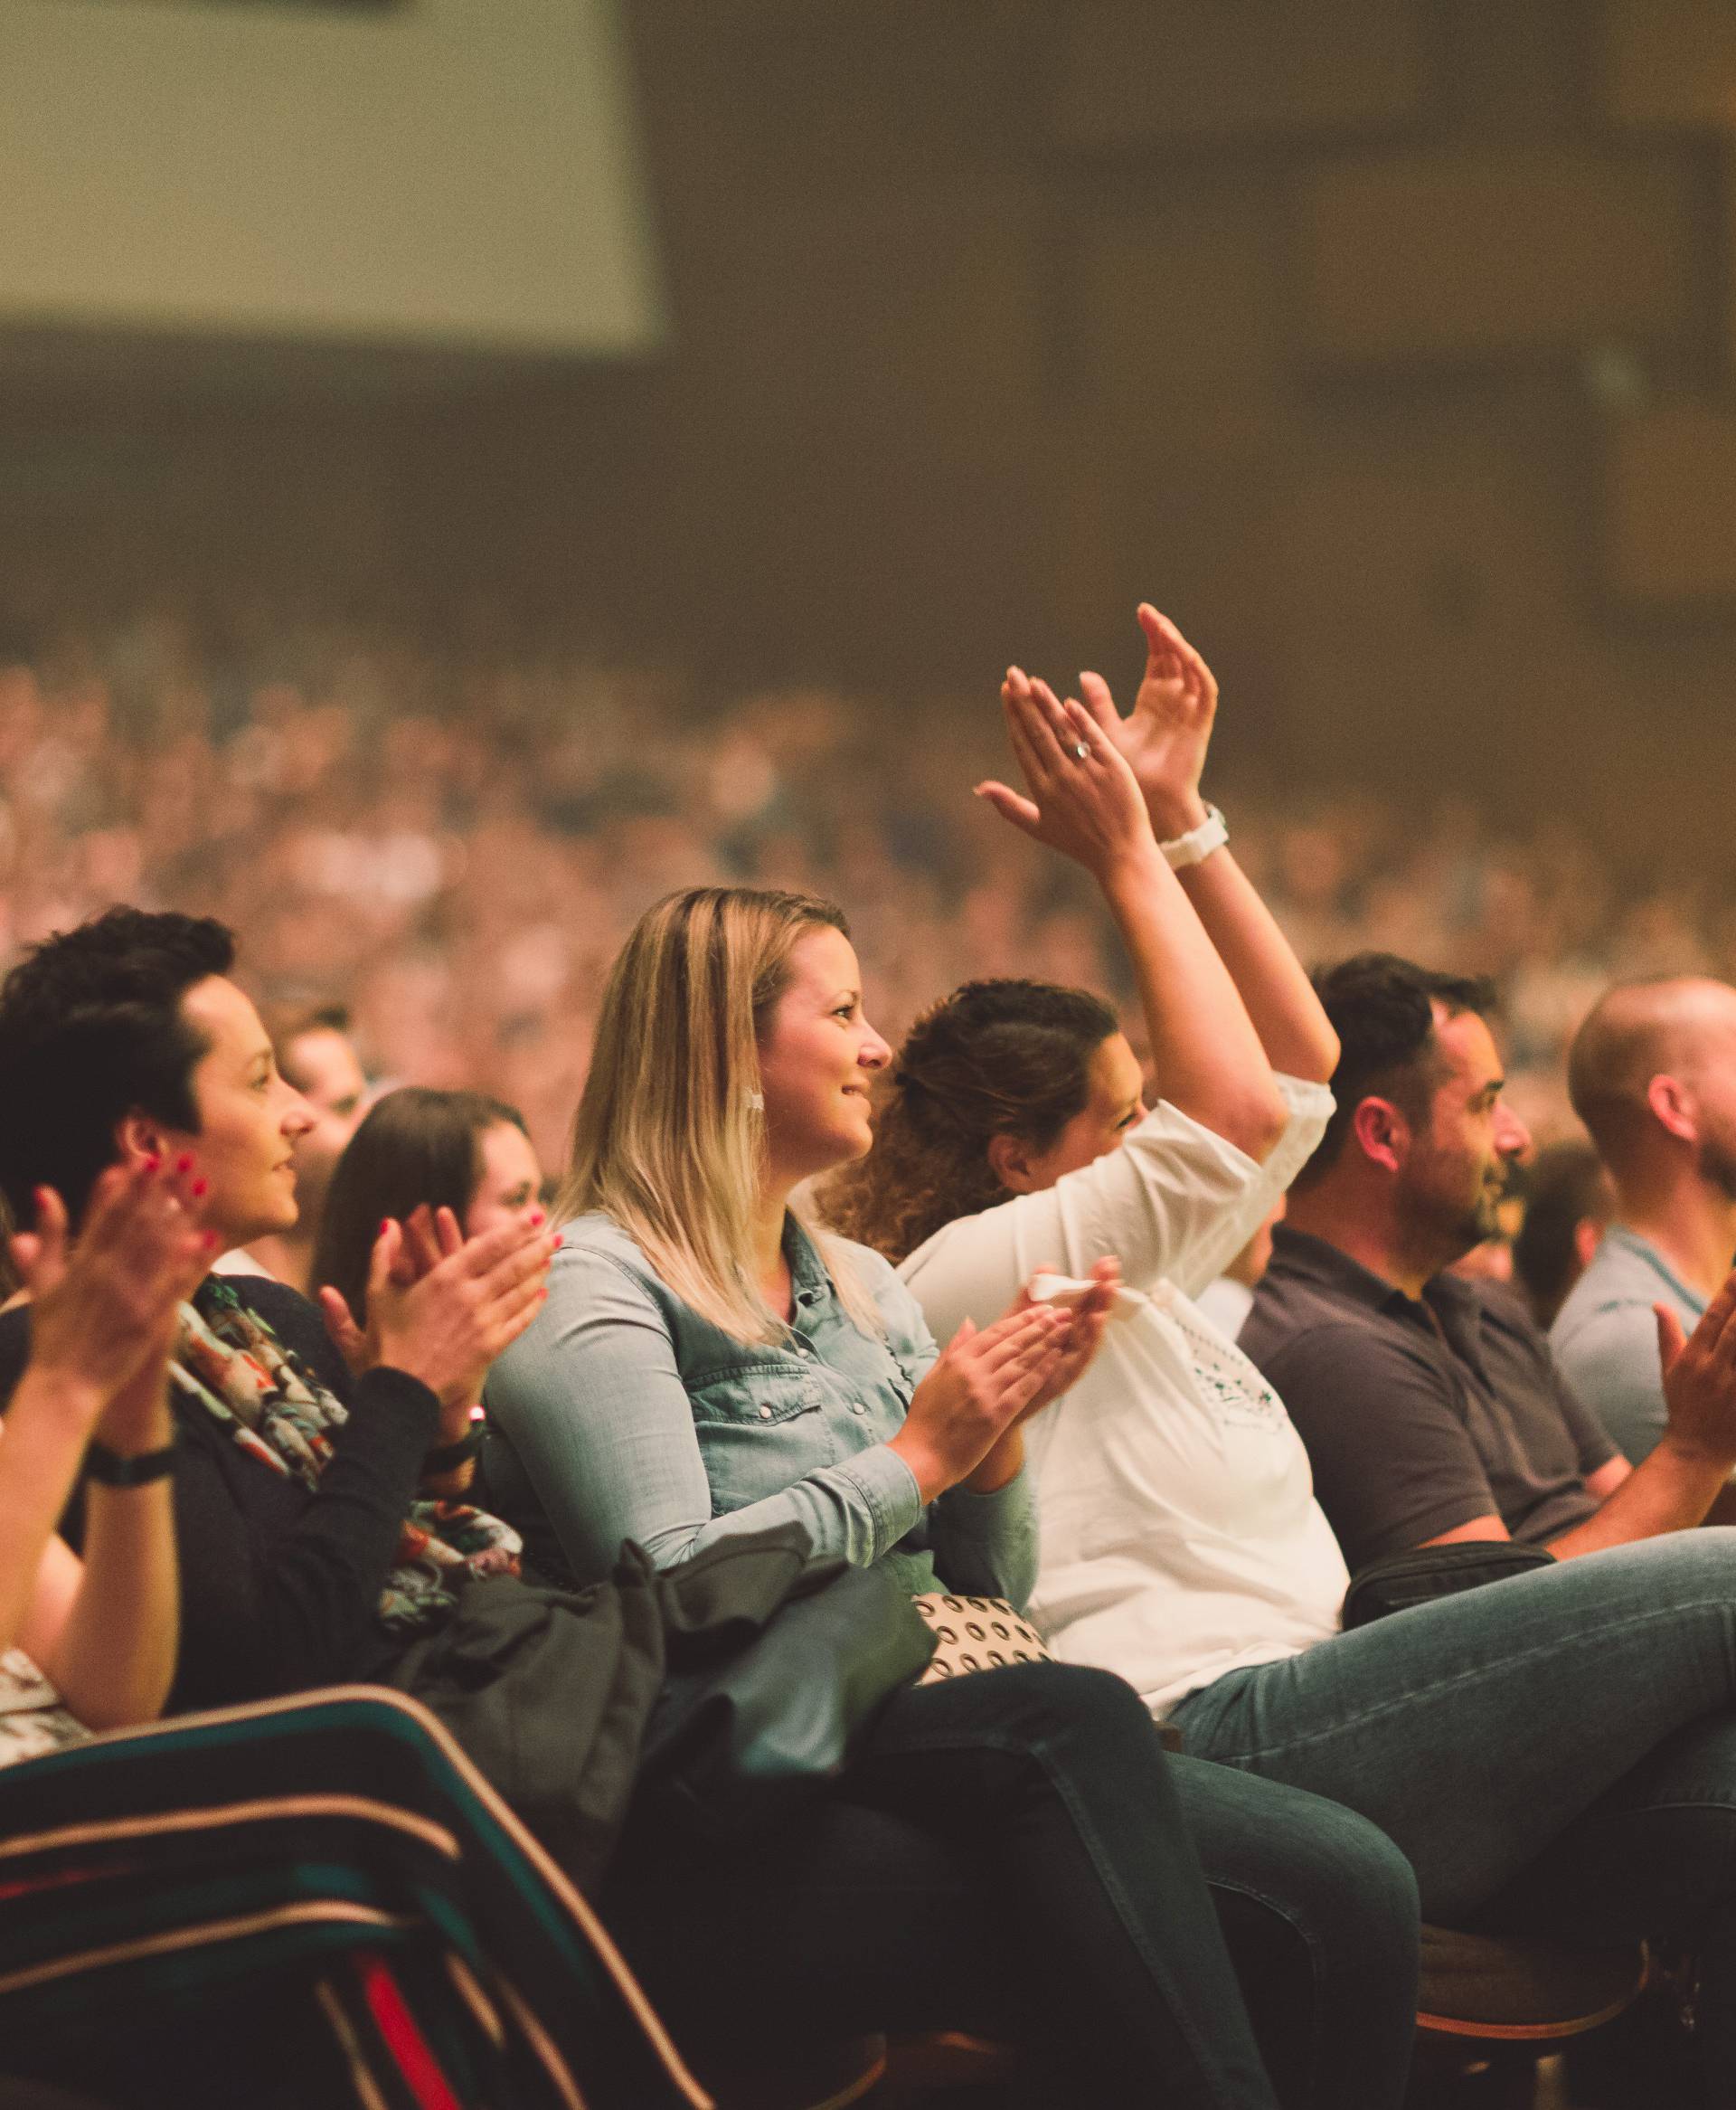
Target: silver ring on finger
<point x="1081" y="752"/>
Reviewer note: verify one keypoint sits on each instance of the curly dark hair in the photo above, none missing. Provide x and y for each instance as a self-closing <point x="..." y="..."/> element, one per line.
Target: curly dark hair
<point x="1004" y="1057"/>
<point x="92" y="1029"/>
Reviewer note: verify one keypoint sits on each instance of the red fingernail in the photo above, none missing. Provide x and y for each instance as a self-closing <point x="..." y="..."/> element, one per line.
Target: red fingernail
<point x="200" y="1186"/>
<point x="153" y="1164"/>
<point x="209" y="1241"/>
<point x="184" y="1164"/>
<point x="385" y="1224"/>
<point x="537" y="1219"/>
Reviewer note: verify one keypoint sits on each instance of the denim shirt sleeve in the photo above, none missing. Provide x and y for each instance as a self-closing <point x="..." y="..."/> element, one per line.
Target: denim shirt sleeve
<point x="983" y="1545"/>
<point x="592" y="1400"/>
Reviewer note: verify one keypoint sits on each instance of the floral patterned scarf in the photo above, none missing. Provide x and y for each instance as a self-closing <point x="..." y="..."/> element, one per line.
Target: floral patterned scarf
<point x="228" y="1359"/>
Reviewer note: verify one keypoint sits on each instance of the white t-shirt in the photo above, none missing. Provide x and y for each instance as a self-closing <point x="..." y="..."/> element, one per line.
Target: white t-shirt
<point x="1226" y="1303"/>
<point x="1180" y="1535"/>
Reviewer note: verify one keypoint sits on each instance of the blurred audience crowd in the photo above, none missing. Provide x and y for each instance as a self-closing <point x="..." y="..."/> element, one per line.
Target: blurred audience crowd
<point x="455" y="853"/>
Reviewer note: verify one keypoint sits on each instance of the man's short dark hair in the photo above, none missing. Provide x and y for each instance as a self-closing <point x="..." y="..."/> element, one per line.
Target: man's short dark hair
<point x="92" y="1029"/>
<point x="1382" y="1010"/>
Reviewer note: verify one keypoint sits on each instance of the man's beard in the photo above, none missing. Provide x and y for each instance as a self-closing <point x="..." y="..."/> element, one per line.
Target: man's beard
<point x="1715" y="1162"/>
<point x="1482" y="1221"/>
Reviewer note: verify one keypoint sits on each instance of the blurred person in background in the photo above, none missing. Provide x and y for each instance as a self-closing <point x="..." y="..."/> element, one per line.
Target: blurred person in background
<point x="418" y="1151"/>
<point x="1569" y="1200"/>
<point x="1652" y="1072"/>
<point x="315" y="1054"/>
<point x="1227" y="1301"/>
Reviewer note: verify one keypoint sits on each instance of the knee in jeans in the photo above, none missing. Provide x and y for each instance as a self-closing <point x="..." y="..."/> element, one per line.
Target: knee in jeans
<point x="1067" y="1700"/>
<point x="1370" y="1885"/>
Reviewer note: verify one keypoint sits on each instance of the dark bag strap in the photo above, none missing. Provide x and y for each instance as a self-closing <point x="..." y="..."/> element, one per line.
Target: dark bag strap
<point x="1424" y="1572"/>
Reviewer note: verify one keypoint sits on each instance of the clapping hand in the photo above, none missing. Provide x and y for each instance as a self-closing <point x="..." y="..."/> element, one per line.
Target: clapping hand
<point x="1699" y="1372"/>
<point x="1165" y="739"/>
<point x="103" y="1306"/>
<point x="443" y="1306"/>
<point x="1084" y="799"/>
<point x="1090" y="1315"/>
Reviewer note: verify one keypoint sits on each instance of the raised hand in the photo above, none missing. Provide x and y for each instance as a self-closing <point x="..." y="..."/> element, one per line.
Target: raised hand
<point x="1700" y="1377"/>
<point x="103" y="1306"/>
<point x="1165" y="739"/>
<point x="403" y="1252"/>
<point x="1084" y="799"/>
<point x="442" y="1307"/>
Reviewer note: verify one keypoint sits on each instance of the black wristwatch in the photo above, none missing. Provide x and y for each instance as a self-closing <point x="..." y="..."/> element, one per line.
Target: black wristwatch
<point x="450" y="1456"/>
<point x="112" y="1470"/>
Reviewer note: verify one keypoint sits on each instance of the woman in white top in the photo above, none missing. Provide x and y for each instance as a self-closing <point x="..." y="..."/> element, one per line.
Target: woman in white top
<point x="1562" y="1744"/>
<point x="90" y="1643"/>
<point x="1180" y="1535"/>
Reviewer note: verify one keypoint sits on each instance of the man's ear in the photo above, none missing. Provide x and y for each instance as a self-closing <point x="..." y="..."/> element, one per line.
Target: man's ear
<point x="1673" y="1108"/>
<point x="1383" y="1133"/>
<point x="137" y="1136"/>
<point x="1009" y="1159"/>
<point x="1587" y="1236"/>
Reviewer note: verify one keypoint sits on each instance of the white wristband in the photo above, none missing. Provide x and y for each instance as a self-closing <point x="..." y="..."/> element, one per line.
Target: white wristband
<point x="1198" y="842"/>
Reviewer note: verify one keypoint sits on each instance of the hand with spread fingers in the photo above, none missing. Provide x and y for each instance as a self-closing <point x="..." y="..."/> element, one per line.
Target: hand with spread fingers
<point x="976" y="1392"/>
<point x="1083" y="799"/>
<point x="1700" y="1378"/>
<point x="442" y="1307"/>
<point x="103" y="1305"/>
<point x="1165" y="739"/>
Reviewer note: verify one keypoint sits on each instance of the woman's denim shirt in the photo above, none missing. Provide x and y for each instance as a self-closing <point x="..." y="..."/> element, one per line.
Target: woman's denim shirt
<point x="623" y="1413"/>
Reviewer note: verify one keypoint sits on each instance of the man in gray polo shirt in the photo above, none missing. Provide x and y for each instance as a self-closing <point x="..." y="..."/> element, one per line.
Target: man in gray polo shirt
<point x="1652" y="1073"/>
<point x="1432" y="1407"/>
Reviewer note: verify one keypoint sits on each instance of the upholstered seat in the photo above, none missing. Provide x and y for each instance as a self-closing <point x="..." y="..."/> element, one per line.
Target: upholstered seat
<point x="1500" y="1988"/>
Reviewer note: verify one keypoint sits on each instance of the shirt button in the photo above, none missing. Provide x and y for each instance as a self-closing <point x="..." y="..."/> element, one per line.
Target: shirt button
<point x="857" y="1407"/>
<point x="765" y="1413"/>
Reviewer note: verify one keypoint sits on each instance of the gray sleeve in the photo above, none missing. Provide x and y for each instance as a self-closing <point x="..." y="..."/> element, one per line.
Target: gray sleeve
<point x="1609" y="1360"/>
<point x="983" y="1545"/>
<point x="593" y="1403"/>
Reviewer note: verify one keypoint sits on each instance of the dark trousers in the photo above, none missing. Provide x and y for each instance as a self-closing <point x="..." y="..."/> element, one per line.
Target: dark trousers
<point x="1015" y="1854"/>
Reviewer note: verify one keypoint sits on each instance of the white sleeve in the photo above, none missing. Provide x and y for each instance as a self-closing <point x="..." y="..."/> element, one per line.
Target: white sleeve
<point x="1173" y="1203"/>
<point x="1310" y="1108"/>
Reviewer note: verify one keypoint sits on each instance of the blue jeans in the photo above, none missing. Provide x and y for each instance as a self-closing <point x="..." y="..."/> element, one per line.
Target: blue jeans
<point x="1015" y="1853"/>
<point x="1559" y="1748"/>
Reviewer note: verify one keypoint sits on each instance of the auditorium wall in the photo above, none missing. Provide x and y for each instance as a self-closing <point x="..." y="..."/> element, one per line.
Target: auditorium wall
<point x="1387" y="343"/>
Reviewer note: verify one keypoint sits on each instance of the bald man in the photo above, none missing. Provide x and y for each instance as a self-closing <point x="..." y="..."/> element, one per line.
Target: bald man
<point x="1652" y="1073"/>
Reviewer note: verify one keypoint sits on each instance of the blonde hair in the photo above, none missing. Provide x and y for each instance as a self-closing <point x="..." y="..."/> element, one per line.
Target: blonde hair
<point x="669" y="1138"/>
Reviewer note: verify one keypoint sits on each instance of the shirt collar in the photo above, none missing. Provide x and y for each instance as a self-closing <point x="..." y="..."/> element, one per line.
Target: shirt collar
<point x="1642" y="1249"/>
<point x="1326" y="1266"/>
<point x="810" y="1281"/>
<point x="1303" y="1257"/>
